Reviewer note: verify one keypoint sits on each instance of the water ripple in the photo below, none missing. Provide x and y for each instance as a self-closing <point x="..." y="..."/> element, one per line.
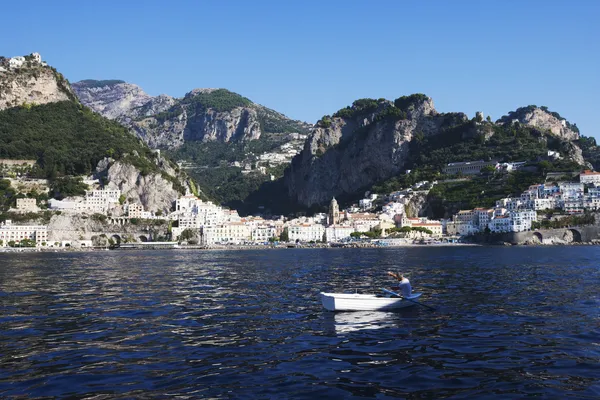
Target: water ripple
<point x="510" y="323"/>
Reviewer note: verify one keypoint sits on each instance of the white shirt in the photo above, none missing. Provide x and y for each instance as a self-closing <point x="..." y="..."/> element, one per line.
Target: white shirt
<point x="405" y="289"/>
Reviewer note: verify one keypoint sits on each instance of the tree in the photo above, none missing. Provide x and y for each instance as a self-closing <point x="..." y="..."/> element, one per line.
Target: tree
<point x="488" y="169"/>
<point x="285" y="237"/>
<point x="187" y="234"/>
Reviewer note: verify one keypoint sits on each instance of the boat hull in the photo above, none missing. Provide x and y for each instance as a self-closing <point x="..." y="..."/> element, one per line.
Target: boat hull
<point x="364" y="302"/>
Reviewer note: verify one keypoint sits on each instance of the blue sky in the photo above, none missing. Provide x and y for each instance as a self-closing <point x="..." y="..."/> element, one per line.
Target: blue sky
<point x="310" y="58"/>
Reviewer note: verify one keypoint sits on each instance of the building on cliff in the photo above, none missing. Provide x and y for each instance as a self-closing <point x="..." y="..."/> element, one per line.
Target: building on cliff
<point x="468" y="167"/>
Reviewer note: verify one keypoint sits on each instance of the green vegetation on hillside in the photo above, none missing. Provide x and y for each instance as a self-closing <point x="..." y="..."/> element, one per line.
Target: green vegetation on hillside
<point x="68" y="139"/>
<point x="219" y="180"/>
<point x="591" y="151"/>
<point x="273" y="122"/>
<point x="214" y="154"/>
<point x="218" y="100"/>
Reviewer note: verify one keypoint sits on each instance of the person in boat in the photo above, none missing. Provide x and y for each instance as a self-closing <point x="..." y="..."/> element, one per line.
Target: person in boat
<point x="403" y="284"/>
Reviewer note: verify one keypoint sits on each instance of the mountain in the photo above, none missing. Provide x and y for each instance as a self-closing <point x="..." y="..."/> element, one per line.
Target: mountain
<point x="202" y="115"/>
<point x="42" y="120"/>
<point x="365" y="145"/>
<point x="226" y="142"/>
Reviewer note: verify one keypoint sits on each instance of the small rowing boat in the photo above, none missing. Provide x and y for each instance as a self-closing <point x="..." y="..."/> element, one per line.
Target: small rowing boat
<point x="365" y="302"/>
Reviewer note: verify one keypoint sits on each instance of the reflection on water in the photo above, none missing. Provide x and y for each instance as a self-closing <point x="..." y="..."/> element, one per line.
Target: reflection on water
<point x="510" y="323"/>
<point x="344" y="322"/>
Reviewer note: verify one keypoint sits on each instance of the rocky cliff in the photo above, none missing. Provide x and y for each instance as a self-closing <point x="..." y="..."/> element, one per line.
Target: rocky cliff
<point x="28" y="80"/>
<point x="543" y="119"/>
<point x="202" y="115"/>
<point x="375" y="140"/>
<point x="118" y="100"/>
<point x="156" y="191"/>
<point x="361" y="145"/>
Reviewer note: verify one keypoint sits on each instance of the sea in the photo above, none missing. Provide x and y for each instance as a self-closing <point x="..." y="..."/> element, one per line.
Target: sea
<point x="508" y="323"/>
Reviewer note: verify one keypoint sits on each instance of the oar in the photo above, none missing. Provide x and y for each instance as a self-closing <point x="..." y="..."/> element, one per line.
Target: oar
<point x="404" y="298"/>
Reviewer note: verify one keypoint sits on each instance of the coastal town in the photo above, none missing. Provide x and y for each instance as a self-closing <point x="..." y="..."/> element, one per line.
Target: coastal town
<point x="377" y="219"/>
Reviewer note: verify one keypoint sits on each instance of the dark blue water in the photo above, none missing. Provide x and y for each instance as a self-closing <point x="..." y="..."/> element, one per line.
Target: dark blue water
<point x="510" y="323"/>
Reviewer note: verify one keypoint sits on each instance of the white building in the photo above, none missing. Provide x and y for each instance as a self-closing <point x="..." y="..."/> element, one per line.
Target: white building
<point x="393" y="208"/>
<point x="589" y="177"/>
<point x="99" y="201"/>
<point x="365" y="204"/>
<point x="227" y="233"/>
<point x="262" y="233"/>
<point x="135" y="210"/>
<point x="336" y="233"/>
<point x="64" y="205"/>
<point x="306" y="232"/>
<point x="27" y="205"/>
<point x="16" y="62"/>
<point x="520" y="221"/>
<point x="500" y="224"/>
<point x="16" y="233"/>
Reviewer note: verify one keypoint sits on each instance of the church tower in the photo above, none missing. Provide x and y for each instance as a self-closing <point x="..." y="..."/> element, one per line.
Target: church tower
<point x="334" y="212"/>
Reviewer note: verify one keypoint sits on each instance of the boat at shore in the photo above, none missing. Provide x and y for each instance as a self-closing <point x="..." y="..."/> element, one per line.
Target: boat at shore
<point x="365" y="302"/>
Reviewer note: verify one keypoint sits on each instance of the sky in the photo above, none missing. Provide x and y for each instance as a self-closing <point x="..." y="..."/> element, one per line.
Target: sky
<point x="310" y="58"/>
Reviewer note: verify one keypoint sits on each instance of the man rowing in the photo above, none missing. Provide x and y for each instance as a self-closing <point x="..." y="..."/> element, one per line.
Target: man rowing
<point x="403" y="285"/>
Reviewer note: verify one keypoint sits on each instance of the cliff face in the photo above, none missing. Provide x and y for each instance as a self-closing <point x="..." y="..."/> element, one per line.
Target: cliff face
<point x="347" y="153"/>
<point x="543" y="119"/>
<point x="117" y="99"/>
<point x="155" y="191"/>
<point x="29" y="80"/>
<point x="201" y="115"/>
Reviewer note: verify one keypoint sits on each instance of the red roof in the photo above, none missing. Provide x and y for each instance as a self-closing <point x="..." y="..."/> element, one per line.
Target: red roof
<point x="588" y="172"/>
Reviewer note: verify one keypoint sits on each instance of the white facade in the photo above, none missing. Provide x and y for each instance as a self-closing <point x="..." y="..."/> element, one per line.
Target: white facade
<point x="365" y="204"/>
<point x="228" y="233"/>
<point x="99" y="201"/>
<point x="262" y="233"/>
<point x="589" y="177"/>
<point x="16" y="233"/>
<point x="520" y="221"/>
<point x="500" y="224"/>
<point x="393" y="208"/>
<point x="336" y="233"/>
<point x="194" y="213"/>
<point x="27" y="205"/>
<point x="16" y="62"/>
<point x="135" y="210"/>
<point x="306" y="232"/>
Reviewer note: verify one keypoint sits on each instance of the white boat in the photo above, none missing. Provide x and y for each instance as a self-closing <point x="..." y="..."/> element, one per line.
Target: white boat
<point x="364" y="302"/>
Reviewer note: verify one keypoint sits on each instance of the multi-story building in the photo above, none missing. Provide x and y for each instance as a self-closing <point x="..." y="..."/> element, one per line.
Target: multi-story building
<point x="500" y="224"/>
<point x="262" y="233"/>
<point x="227" y="233"/>
<point x="99" y="201"/>
<point x="589" y="177"/>
<point x="336" y="233"/>
<point x="521" y="220"/>
<point x="483" y="217"/>
<point x="16" y="233"/>
<point x="27" y="205"/>
<point x="135" y="210"/>
<point x="305" y="232"/>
